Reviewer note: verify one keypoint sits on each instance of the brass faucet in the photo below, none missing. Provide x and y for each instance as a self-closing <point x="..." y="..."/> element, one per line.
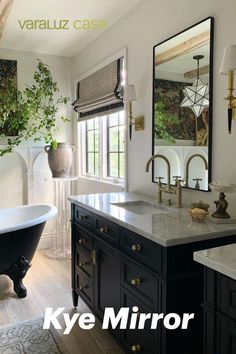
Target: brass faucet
<point x="187" y="166"/>
<point x="170" y="190"/>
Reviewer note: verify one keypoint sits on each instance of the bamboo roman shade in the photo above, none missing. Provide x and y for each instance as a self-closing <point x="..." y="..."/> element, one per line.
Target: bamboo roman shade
<point x="101" y="92"/>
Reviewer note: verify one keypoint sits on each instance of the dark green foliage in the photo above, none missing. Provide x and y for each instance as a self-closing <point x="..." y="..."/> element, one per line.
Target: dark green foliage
<point x="164" y="119"/>
<point x="32" y="112"/>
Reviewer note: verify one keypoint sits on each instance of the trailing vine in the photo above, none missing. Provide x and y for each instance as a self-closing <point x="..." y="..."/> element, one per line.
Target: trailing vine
<point x="32" y="112"/>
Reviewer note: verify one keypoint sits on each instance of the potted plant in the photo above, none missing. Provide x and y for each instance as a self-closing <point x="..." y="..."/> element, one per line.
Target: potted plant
<point x="32" y="114"/>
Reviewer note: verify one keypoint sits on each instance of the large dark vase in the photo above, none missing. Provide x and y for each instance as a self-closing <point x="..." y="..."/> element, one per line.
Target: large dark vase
<point x="60" y="159"/>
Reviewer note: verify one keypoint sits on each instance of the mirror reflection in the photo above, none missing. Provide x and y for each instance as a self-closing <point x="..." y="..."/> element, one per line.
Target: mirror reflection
<point x="182" y="106"/>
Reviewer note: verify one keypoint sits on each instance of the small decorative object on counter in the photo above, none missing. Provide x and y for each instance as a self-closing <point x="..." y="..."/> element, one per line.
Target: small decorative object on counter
<point x="198" y="214"/>
<point x="221" y="203"/>
<point x="200" y="205"/>
<point x="221" y="206"/>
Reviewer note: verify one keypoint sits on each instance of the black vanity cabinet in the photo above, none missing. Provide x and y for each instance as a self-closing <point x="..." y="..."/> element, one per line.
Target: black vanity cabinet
<point x="219" y="313"/>
<point x="115" y="267"/>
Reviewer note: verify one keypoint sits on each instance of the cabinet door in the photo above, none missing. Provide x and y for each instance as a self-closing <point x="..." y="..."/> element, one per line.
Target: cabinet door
<point x="107" y="278"/>
<point x="226" y="336"/>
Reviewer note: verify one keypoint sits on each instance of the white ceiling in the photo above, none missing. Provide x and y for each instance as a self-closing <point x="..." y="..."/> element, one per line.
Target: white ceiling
<point x="59" y="42"/>
<point x="185" y="62"/>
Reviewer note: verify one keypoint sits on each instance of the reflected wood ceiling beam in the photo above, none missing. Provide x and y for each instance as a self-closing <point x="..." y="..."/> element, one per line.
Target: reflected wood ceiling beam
<point x="183" y="48"/>
<point x="193" y="73"/>
<point x="5" y="7"/>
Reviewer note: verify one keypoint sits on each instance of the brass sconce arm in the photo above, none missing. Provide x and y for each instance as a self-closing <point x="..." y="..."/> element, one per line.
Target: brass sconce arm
<point x="138" y="122"/>
<point x="231" y="99"/>
<point x="228" y="66"/>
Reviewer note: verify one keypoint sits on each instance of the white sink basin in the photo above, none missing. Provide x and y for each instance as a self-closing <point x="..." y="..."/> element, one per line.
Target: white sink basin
<point x="142" y="207"/>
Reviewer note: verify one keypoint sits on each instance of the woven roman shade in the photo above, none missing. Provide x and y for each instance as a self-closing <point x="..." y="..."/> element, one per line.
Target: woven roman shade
<point x="100" y="93"/>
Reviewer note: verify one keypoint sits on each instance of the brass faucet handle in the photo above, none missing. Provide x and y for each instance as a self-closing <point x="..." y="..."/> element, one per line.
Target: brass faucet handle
<point x="179" y="181"/>
<point x="197" y="185"/>
<point x="176" y="179"/>
<point x="159" y="179"/>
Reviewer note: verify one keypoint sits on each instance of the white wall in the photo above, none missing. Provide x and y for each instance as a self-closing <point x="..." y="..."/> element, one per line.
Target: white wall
<point x="151" y="22"/>
<point x="25" y="176"/>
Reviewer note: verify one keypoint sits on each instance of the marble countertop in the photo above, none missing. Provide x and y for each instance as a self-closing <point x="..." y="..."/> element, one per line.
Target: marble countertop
<point x="221" y="259"/>
<point x="167" y="229"/>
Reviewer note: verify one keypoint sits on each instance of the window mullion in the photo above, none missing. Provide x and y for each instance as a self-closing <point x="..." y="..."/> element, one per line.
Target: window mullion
<point x="101" y="148"/>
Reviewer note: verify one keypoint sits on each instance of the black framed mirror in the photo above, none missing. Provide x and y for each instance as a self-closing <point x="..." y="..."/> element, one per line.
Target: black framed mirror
<point x="182" y="106"/>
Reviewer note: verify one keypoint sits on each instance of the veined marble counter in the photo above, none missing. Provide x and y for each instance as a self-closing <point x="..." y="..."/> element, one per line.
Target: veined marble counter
<point x="167" y="229"/>
<point x="222" y="259"/>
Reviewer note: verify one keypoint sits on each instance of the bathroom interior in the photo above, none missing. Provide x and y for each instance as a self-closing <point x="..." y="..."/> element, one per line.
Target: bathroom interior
<point x="140" y="102"/>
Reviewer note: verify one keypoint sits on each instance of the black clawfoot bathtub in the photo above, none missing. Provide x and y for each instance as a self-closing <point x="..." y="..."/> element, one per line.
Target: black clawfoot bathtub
<point x="20" y="232"/>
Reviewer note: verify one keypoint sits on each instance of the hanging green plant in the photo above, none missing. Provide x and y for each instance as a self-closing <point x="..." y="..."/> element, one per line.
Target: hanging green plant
<point x="32" y="112"/>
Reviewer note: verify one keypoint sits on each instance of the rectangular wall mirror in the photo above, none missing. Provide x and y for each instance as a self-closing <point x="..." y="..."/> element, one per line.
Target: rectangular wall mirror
<point x="182" y="106"/>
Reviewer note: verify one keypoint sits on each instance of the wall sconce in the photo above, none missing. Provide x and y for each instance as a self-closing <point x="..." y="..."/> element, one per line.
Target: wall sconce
<point x="129" y="97"/>
<point x="228" y="65"/>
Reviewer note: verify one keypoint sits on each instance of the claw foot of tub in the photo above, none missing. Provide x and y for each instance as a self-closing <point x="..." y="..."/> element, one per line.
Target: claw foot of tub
<point x="17" y="272"/>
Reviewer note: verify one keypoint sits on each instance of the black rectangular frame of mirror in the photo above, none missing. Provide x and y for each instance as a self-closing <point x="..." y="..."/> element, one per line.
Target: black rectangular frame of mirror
<point x="210" y="98"/>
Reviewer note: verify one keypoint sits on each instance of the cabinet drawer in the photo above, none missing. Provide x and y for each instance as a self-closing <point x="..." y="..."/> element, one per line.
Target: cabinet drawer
<point x="107" y="230"/>
<point x="83" y="217"/>
<point x="227" y="296"/>
<point x="84" y="287"/>
<point x="83" y="240"/>
<point x="129" y="300"/>
<point x="139" y="341"/>
<point x="137" y="247"/>
<point x="140" y="282"/>
<point x="84" y="262"/>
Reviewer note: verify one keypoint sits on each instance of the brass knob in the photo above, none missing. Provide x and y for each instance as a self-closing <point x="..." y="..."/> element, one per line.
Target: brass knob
<point x="103" y="229"/>
<point x="82" y="241"/>
<point x="83" y="264"/>
<point x="82" y="287"/>
<point x="136" y="348"/>
<point x="83" y="217"/>
<point x="136" y="281"/>
<point x="136" y="248"/>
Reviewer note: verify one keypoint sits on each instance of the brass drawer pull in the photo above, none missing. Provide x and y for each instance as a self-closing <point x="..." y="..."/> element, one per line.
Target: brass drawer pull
<point x="81" y="265"/>
<point x="104" y="229"/>
<point x="82" y="241"/>
<point x="136" y="348"/>
<point x="136" y="281"/>
<point x="83" y="217"/>
<point x="136" y="248"/>
<point x="83" y="287"/>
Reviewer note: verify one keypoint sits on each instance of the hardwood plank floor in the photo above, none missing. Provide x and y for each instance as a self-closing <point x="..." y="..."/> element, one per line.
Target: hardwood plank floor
<point x="49" y="285"/>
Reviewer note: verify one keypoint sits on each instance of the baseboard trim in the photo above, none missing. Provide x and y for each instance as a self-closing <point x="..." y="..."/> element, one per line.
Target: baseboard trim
<point x="46" y="241"/>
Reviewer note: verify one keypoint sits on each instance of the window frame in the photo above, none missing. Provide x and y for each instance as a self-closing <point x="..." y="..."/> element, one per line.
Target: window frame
<point x="103" y="153"/>
<point x="94" y="152"/>
<point x="118" y="152"/>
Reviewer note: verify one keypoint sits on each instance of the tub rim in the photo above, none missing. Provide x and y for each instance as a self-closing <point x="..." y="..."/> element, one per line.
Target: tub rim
<point x="31" y="222"/>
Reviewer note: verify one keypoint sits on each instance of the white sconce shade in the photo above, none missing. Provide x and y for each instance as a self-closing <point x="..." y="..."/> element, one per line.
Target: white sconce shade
<point x="229" y="60"/>
<point x="129" y="93"/>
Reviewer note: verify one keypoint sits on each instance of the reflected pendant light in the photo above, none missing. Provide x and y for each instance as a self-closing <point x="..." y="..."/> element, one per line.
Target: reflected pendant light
<point x="197" y="95"/>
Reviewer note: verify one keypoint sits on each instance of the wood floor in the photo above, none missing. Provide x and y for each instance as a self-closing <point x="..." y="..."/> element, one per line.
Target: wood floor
<point x="49" y="285"/>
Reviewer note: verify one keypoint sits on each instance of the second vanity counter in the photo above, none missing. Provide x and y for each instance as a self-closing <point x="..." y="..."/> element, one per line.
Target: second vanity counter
<point x="219" y="302"/>
<point x="167" y="227"/>
<point x="220" y="259"/>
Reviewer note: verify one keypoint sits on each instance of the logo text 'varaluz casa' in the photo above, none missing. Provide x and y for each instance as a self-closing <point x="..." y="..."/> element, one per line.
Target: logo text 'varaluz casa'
<point x="62" y="24"/>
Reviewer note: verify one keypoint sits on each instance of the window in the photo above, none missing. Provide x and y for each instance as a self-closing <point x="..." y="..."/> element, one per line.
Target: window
<point x="92" y="146"/>
<point x="102" y="148"/>
<point x="115" y="143"/>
